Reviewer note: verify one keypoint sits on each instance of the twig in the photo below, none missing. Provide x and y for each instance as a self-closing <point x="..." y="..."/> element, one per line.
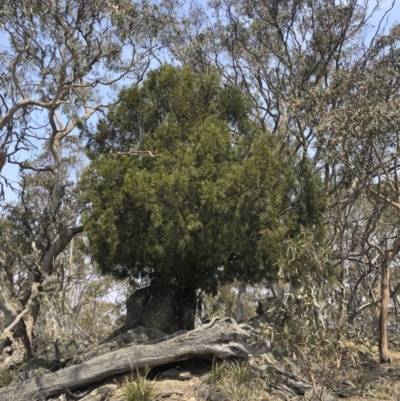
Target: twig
<point x="318" y="394"/>
<point x="77" y="396"/>
<point x="168" y="394"/>
<point x="134" y="152"/>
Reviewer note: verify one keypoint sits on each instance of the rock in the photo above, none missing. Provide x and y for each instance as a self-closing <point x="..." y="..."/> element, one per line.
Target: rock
<point x="102" y="393"/>
<point x="216" y="395"/>
<point x="14" y="360"/>
<point x="160" y="307"/>
<point x="171" y="373"/>
<point x="346" y="393"/>
<point x="203" y="393"/>
<point x="54" y="355"/>
<point x="211" y="394"/>
<point x="175" y="374"/>
<point x="33" y="372"/>
<point x="184" y="376"/>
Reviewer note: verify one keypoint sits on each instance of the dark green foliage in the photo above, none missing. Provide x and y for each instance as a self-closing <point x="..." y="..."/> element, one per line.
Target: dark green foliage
<point x="215" y="203"/>
<point x="311" y="199"/>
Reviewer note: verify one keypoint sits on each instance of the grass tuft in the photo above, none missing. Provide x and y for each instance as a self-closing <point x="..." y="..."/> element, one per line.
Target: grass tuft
<point x="236" y="392"/>
<point x="217" y="371"/>
<point x="6" y="377"/>
<point x="239" y="372"/>
<point x="138" y="388"/>
<point x="235" y="380"/>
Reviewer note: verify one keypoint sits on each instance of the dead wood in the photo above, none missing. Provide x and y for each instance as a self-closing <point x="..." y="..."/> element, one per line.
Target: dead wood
<point x="288" y="382"/>
<point x="221" y="338"/>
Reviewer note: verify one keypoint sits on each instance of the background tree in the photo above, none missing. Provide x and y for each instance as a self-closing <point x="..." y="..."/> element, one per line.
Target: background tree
<point x="184" y="188"/>
<point x="276" y="52"/>
<point x="281" y="54"/>
<point x="58" y="56"/>
<point x="364" y="140"/>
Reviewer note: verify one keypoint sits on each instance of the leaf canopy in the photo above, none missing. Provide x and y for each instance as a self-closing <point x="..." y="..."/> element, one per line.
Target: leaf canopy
<point x="184" y="188"/>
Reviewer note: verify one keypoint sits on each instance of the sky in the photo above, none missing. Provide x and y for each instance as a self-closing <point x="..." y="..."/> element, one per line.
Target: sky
<point x="394" y="14"/>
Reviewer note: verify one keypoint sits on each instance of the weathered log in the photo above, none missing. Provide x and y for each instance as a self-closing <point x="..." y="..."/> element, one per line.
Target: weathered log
<point x="289" y="380"/>
<point x="222" y="337"/>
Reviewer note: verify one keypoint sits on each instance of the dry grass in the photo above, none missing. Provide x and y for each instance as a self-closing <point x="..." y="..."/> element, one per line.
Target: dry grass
<point x="236" y="381"/>
<point x="217" y="372"/>
<point x="6" y="377"/>
<point x="138" y="388"/>
<point x="21" y="395"/>
<point x="383" y="396"/>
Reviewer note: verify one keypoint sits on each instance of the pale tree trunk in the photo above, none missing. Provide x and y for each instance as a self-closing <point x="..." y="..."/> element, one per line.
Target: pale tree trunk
<point x="343" y="273"/>
<point x="9" y="311"/>
<point x="241" y="312"/>
<point x="51" y="249"/>
<point x="388" y="256"/>
<point x="384" y="354"/>
<point x="201" y="315"/>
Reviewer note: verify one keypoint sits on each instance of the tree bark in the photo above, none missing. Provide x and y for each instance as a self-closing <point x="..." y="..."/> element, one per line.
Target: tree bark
<point x="3" y="158"/>
<point x="384" y="354"/>
<point x="241" y="313"/>
<point x="9" y="311"/>
<point x="222" y="337"/>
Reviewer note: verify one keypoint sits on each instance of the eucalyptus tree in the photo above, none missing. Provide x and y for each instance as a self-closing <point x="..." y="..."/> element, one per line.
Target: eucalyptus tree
<point x="362" y="138"/>
<point x="276" y="52"/>
<point x="283" y="55"/>
<point x="57" y="58"/>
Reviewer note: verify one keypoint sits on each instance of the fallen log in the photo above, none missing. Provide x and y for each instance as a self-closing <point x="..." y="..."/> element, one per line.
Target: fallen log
<point x="221" y="338"/>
